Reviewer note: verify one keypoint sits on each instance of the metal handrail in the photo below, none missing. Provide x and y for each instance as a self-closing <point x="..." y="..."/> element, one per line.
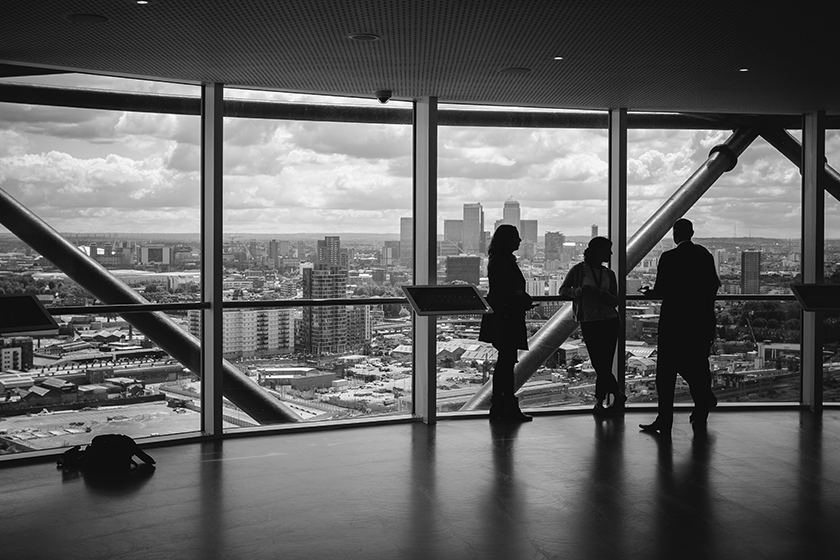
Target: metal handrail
<point x="285" y="303"/>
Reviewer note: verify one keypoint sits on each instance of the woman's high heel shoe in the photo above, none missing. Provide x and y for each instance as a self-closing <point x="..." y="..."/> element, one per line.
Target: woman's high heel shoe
<point x="618" y="402"/>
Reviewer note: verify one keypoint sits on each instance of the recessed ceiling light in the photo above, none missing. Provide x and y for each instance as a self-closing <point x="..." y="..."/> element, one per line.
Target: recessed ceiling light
<point x="364" y="37"/>
<point x="515" y="70"/>
<point x="142" y="2"/>
<point x="558" y="58"/>
<point x="86" y="18"/>
<point x="743" y="69"/>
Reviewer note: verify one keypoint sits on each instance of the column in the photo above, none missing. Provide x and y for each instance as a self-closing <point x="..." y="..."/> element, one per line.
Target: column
<point x="425" y="258"/>
<point x="813" y="245"/>
<point x="617" y="226"/>
<point x="212" y="96"/>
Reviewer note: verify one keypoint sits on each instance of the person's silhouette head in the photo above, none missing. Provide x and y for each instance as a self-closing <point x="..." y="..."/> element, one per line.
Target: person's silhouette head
<point x="683" y="230"/>
<point x="505" y="240"/>
<point x="598" y="251"/>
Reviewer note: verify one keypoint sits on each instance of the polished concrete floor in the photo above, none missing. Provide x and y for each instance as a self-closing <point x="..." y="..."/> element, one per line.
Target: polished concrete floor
<point x="759" y="485"/>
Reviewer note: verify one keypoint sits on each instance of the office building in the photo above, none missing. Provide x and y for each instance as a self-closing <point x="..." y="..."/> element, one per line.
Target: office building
<point x="720" y="259"/>
<point x="473" y="229"/>
<point x="406" y="241"/>
<point x="554" y="245"/>
<point x="359" y="327"/>
<point x="511" y="213"/>
<point x="329" y="250"/>
<point x="390" y="254"/>
<point x="323" y="330"/>
<point x="154" y="253"/>
<point x="528" y="231"/>
<point x="529" y="235"/>
<point x="554" y="249"/>
<point x="251" y="332"/>
<point x="535" y="286"/>
<point x="15" y="353"/>
<point x="277" y="249"/>
<point x="453" y="237"/>
<point x="751" y="272"/>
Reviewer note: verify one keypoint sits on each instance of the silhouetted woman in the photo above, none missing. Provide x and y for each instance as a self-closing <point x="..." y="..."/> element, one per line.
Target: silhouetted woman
<point x="505" y="327"/>
<point x="594" y="291"/>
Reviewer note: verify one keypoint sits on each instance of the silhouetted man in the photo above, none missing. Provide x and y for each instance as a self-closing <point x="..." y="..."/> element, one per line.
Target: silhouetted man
<point x="687" y="283"/>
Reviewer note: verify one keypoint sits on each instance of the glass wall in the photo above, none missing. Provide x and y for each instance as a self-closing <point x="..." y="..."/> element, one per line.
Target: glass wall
<point x="316" y="210"/>
<point x="749" y="219"/>
<point x="831" y="319"/>
<point x="118" y="190"/>
<point x="322" y="210"/>
<point x="551" y="183"/>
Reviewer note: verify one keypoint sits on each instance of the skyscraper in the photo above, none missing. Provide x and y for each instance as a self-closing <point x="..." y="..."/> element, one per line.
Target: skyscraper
<point x="329" y="250"/>
<point x="324" y="329"/>
<point x="720" y="259"/>
<point x="390" y="253"/>
<point x="453" y="237"/>
<point x="553" y="249"/>
<point x="473" y="229"/>
<point x="511" y="213"/>
<point x="528" y="231"/>
<point x="594" y="230"/>
<point x="407" y="241"/>
<point x="751" y="272"/>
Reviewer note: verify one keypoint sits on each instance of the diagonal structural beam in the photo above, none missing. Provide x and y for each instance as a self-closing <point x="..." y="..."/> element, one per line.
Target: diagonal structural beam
<point x="791" y="148"/>
<point x="548" y="339"/>
<point x="156" y="325"/>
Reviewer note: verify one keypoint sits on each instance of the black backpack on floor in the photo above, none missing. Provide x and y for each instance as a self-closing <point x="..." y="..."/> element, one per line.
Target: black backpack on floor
<point x="107" y="455"/>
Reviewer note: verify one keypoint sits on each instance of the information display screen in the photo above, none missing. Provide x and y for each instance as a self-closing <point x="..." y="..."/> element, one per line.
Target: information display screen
<point x="25" y="315"/>
<point x="459" y="299"/>
<point x="817" y="297"/>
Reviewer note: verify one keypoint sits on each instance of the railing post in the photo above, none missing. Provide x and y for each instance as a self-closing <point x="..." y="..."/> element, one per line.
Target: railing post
<point x="425" y="254"/>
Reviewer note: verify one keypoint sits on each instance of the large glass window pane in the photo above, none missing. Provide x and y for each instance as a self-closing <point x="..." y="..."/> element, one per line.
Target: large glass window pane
<point x="551" y="183"/>
<point x="313" y="210"/>
<point x="750" y="221"/>
<point x="120" y="190"/>
<point x="831" y="320"/>
<point x="121" y="186"/>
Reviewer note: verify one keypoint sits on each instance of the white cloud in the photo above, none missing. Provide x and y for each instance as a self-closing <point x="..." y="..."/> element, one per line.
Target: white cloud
<point x="86" y="170"/>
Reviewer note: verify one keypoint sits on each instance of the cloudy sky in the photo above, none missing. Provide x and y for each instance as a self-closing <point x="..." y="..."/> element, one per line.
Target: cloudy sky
<point x="100" y="171"/>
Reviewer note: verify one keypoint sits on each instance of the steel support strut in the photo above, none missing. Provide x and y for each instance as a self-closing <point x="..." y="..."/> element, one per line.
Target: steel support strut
<point x="548" y="339"/>
<point x="156" y="325"/>
<point x="791" y="148"/>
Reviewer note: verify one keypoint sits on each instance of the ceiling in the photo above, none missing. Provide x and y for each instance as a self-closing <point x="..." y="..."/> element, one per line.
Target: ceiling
<point x="655" y="55"/>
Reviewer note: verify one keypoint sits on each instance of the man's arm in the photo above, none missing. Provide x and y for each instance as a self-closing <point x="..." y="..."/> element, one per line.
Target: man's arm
<point x="663" y="278"/>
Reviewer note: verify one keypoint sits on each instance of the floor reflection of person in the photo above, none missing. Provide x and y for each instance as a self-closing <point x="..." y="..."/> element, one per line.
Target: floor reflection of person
<point x="687" y="283"/>
<point x="594" y="290"/>
<point x="505" y="327"/>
